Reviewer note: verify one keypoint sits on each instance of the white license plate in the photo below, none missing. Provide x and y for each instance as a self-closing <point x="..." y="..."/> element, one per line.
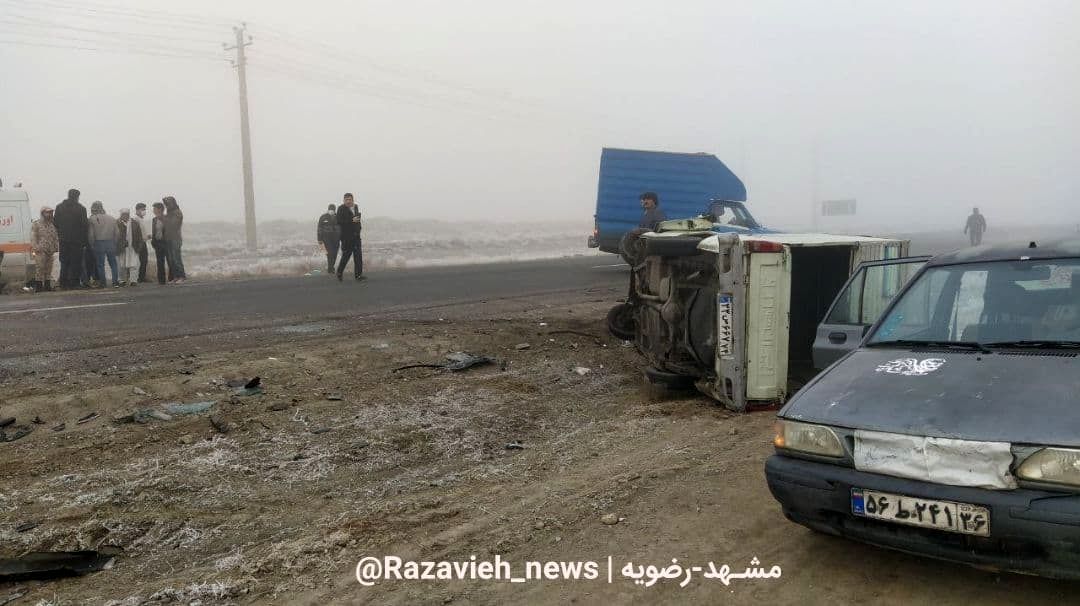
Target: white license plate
<point x="950" y="516"/>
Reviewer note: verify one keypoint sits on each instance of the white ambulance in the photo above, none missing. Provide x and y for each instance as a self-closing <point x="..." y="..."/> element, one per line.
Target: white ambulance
<point x="16" y="217"/>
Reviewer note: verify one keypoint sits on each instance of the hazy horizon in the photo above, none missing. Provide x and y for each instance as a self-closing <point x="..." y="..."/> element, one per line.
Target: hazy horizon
<point x="484" y="110"/>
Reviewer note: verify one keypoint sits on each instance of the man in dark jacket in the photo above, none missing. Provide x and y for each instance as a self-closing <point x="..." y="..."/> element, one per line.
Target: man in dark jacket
<point x="71" y="225"/>
<point x="174" y="238"/>
<point x="348" y="218"/>
<point x="329" y="236"/>
<point x="157" y="240"/>
<point x="651" y="215"/>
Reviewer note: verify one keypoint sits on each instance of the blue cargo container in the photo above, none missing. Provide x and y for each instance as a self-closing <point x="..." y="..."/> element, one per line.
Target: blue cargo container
<point x="685" y="183"/>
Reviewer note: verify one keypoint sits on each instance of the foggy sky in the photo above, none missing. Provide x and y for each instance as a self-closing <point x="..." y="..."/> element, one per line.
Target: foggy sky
<point x="919" y="109"/>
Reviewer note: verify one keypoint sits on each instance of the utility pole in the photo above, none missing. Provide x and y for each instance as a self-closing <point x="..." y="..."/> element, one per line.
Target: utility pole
<point x="245" y="133"/>
<point x="815" y="205"/>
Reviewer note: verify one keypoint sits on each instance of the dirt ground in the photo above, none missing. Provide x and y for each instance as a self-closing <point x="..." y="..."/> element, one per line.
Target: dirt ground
<point x="294" y="486"/>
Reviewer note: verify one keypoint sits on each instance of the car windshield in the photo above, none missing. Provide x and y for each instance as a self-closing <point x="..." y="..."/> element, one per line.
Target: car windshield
<point x="1035" y="302"/>
<point x="726" y="212"/>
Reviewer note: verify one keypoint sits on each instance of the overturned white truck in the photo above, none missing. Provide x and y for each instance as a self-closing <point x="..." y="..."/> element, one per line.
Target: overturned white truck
<point x="740" y="315"/>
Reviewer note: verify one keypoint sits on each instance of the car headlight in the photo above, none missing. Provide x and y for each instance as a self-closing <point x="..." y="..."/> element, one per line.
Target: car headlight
<point x="808" y="438"/>
<point x="1054" y="465"/>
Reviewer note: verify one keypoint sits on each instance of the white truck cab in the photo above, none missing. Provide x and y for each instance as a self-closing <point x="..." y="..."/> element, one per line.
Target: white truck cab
<point x="16" y="218"/>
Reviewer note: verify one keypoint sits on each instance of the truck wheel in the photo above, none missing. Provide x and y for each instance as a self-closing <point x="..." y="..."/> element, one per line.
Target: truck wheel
<point x="620" y="321"/>
<point x="669" y="380"/>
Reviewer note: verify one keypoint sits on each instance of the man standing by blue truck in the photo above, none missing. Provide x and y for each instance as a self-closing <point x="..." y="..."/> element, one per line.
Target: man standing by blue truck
<point x="651" y="215"/>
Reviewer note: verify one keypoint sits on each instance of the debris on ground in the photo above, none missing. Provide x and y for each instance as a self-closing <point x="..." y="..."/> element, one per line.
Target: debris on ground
<point x="27" y="526"/>
<point x="573" y="332"/>
<point x="334" y="397"/>
<point x="4" y="422"/>
<point x="37" y="420"/>
<point x="515" y="445"/>
<point x="455" y="362"/>
<point x="220" y="424"/>
<point x="189" y="409"/>
<point x="139" y="391"/>
<point x="11" y="597"/>
<point x="38" y="565"/>
<point x="59" y="427"/>
<point x="17" y="432"/>
<point x="380" y="346"/>
<point x="522" y="346"/>
<point x="87" y="418"/>
<point x="581" y="370"/>
<point x="609" y="519"/>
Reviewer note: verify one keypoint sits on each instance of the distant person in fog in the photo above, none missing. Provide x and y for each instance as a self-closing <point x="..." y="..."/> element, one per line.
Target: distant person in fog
<point x="174" y="239"/>
<point x="328" y="234"/>
<point x="157" y="241"/>
<point x="128" y="244"/>
<point x="348" y="218"/>
<point x="71" y="224"/>
<point x="103" y="235"/>
<point x="44" y="243"/>
<point x="146" y="226"/>
<point x="975" y="227"/>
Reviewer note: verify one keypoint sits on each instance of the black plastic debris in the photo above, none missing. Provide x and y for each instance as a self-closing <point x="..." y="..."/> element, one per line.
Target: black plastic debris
<point x="252" y="384"/>
<point x="15" y="432"/>
<point x="27" y="526"/>
<point x="515" y="445"/>
<point x="334" y="397"/>
<point x="4" y="422"/>
<point x="37" y="420"/>
<point x="40" y="565"/>
<point x="59" y="427"/>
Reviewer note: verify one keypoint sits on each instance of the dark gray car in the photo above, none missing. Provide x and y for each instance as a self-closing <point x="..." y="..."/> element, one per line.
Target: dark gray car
<point x="952" y="429"/>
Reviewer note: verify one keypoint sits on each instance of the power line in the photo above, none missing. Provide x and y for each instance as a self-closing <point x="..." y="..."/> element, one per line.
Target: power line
<point x="344" y="85"/>
<point x="327" y="73"/>
<point x="132" y="44"/>
<point x="133" y="51"/>
<point x="353" y="59"/>
<point x="84" y="12"/>
<point x="45" y="23"/>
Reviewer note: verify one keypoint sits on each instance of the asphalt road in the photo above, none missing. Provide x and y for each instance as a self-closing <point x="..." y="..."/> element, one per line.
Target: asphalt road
<point x="81" y="320"/>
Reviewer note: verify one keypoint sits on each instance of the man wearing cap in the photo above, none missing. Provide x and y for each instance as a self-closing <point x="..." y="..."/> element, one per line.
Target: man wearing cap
<point x="127" y="247"/>
<point x="44" y="243"/>
<point x="328" y="234"/>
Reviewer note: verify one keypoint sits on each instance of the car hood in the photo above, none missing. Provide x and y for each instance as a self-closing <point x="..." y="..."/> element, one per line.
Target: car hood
<point x="1028" y="397"/>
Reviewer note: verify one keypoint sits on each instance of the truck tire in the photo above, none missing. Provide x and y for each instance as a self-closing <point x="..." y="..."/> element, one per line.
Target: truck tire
<point x="669" y="380"/>
<point x="682" y="246"/>
<point x="620" y="321"/>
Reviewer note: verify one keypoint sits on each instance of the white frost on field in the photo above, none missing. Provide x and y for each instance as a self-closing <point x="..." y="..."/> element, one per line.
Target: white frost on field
<point x="288" y="248"/>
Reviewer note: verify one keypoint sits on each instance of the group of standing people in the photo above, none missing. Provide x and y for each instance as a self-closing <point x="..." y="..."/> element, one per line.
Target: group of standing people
<point x="339" y="230"/>
<point x="87" y="242"/>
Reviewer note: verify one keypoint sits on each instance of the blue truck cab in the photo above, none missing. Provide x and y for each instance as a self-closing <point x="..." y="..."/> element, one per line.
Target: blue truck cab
<point x="689" y="185"/>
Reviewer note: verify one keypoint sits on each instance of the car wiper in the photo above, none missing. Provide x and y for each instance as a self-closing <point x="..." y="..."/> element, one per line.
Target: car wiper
<point x="1036" y="344"/>
<point x="933" y="344"/>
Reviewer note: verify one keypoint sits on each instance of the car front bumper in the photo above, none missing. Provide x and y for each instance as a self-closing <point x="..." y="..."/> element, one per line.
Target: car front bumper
<point x="1031" y="531"/>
